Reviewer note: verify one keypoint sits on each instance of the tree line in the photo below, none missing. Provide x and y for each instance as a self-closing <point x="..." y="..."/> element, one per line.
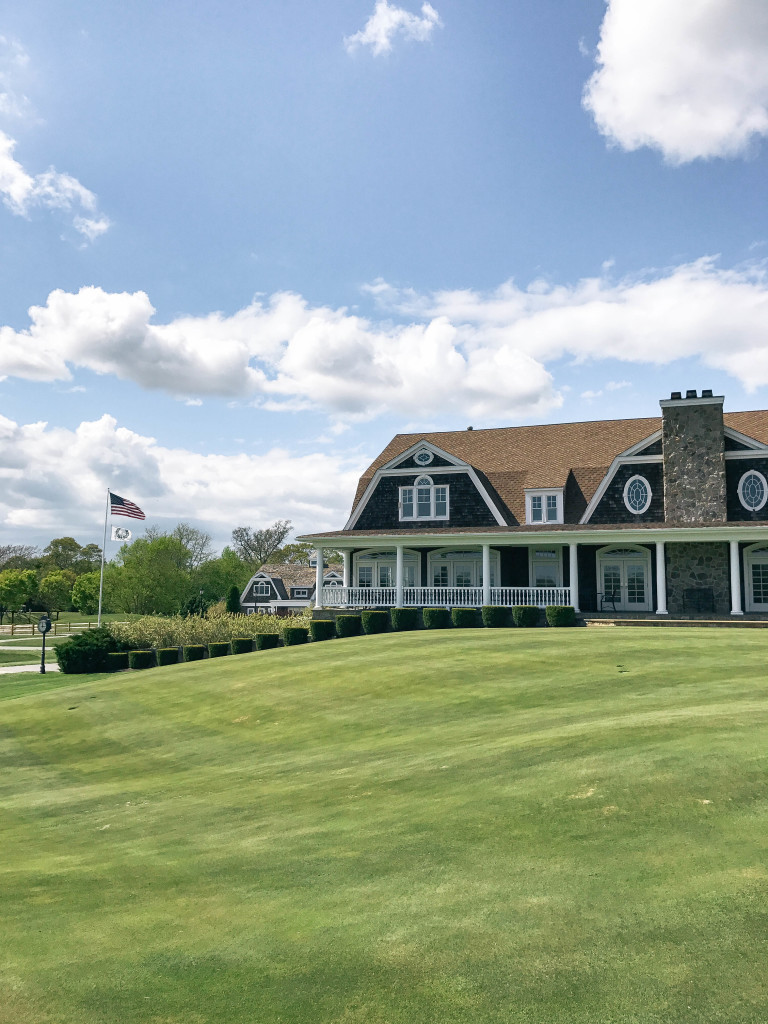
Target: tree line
<point x="164" y="571"/>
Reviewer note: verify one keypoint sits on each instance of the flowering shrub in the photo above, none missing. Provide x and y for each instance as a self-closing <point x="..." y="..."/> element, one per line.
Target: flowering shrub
<point x="178" y="631"/>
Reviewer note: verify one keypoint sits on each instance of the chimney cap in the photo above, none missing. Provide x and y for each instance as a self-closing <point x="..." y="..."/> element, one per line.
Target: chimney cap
<point x="470" y="428"/>
<point x="691" y="393"/>
<point x="707" y="393"/>
<point x="676" y="396"/>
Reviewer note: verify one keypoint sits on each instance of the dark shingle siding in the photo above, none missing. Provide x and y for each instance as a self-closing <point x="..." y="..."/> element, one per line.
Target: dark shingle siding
<point x="612" y="509"/>
<point x="466" y="505"/>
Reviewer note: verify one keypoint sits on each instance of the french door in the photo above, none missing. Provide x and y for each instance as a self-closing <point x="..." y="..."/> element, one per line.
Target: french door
<point x="624" y="580"/>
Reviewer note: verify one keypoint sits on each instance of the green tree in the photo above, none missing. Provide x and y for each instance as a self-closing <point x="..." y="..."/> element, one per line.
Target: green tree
<point x="65" y="553"/>
<point x="85" y="593"/>
<point x="149" y="576"/>
<point x="216" y="576"/>
<point x="55" y="590"/>
<point x="16" y="588"/>
<point x="256" y="546"/>
<point x="233" y="600"/>
<point x="17" y="556"/>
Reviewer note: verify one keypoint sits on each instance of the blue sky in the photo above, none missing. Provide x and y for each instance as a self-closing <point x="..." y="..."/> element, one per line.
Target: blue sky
<point x="242" y="244"/>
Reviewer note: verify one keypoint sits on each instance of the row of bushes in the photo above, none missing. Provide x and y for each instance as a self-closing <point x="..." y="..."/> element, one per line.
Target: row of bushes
<point x="180" y="631"/>
<point x="491" y="616"/>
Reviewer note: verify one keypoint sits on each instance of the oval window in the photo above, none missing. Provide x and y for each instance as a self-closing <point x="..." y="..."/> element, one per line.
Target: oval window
<point x="637" y="494"/>
<point x="753" y="491"/>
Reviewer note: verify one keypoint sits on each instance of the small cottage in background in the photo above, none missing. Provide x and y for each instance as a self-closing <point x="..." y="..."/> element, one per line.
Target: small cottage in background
<point x="286" y="589"/>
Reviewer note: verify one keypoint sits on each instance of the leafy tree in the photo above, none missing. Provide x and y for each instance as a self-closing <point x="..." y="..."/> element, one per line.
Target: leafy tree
<point x="216" y="576"/>
<point x="149" y="576"/>
<point x="301" y="554"/>
<point x="89" y="560"/>
<point x="85" y="593"/>
<point x="17" y="556"/>
<point x="233" y="600"/>
<point x="256" y="546"/>
<point x="16" y="588"/>
<point x="196" y="544"/>
<point x="65" y="553"/>
<point x="55" y="590"/>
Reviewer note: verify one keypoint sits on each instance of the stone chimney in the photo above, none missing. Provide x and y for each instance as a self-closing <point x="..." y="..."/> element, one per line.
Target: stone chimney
<point x="693" y="445"/>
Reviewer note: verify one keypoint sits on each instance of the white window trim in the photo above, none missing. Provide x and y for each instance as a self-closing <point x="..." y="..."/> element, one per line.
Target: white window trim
<point x="432" y="487"/>
<point x="376" y="556"/>
<point x="752" y="508"/>
<point x="300" y="592"/>
<point x="647" y="505"/>
<point x="543" y="492"/>
<point x="557" y="561"/>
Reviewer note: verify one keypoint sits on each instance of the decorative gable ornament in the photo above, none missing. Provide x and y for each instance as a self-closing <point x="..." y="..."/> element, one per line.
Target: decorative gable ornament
<point x="423" y="457"/>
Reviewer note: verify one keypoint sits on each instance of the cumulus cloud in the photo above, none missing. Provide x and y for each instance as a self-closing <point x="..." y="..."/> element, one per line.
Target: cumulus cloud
<point x="73" y="468"/>
<point x="689" y="79"/>
<point x="387" y="22"/>
<point x="488" y="354"/>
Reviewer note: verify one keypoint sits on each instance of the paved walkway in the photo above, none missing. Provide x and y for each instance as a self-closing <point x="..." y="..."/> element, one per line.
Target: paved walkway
<point x="33" y="667"/>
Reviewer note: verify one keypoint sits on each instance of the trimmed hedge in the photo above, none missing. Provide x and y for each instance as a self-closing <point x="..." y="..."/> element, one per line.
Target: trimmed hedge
<point x="242" y="645"/>
<point x="374" y="621"/>
<point x="266" y="641"/>
<point x="193" y="652"/>
<point x="526" y="614"/>
<point x="322" y="629"/>
<point x="167" y="655"/>
<point x="464" y="618"/>
<point x="404" y="618"/>
<point x="117" y="661"/>
<point x="86" y="652"/>
<point x="294" y="635"/>
<point x="560" y="615"/>
<point x="218" y="650"/>
<point x="141" y="659"/>
<point x="494" y="616"/>
<point x="437" y="618"/>
<point x="348" y="625"/>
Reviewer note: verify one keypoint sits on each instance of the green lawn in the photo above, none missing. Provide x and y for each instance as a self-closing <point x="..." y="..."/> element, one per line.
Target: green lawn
<point x="545" y="826"/>
<point x="8" y="656"/>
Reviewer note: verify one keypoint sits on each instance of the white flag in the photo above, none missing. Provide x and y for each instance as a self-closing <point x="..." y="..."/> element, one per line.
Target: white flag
<point x="120" y="533"/>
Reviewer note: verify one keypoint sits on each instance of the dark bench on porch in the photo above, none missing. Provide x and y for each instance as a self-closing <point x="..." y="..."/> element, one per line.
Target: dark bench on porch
<point x="698" y="599"/>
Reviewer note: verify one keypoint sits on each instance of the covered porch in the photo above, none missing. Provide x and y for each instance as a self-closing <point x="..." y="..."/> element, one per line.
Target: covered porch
<point x="718" y="569"/>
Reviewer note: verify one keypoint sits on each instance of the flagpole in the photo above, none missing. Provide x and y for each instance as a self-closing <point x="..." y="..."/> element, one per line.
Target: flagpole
<point x="103" y="549"/>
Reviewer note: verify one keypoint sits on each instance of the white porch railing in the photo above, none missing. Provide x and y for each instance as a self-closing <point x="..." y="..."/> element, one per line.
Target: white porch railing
<point x="451" y="597"/>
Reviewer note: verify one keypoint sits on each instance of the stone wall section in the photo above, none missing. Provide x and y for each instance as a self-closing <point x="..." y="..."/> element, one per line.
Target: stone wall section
<point x="695" y="566"/>
<point x="694" y="462"/>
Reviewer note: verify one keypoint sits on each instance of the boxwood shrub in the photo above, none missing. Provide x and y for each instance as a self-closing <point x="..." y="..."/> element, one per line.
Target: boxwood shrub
<point x="141" y="659"/>
<point x="495" y="616"/>
<point x="242" y="645"/>
<point x="560" y="615"/>
<point x="193" y="652"/>
<point x="167" y="655"/>
<point x="322" y="629"/>
<point x="117" y="661"/>
<point x="294" y="635"/>
<point x="348" y="625"/>
<point x="526" y="614"/>
<point x="265" y="641"/>
<point x="464" y="618"/>
<point x="437" y="618"/>
<point x="218" y="649"/>
<point x="86" y="652"/>
<point x="375" y="621"/>
<point x="404" y="618"/>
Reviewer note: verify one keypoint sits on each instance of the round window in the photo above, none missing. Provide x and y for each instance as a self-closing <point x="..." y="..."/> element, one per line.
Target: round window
<point x="423" y="457"/>
<point x="753" y="491"/>
<point x="637" y="494"/>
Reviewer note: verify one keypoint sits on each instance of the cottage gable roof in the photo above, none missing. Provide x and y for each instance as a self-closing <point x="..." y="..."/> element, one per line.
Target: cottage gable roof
<point x="576" y="455"/>
<point x="291" y="575"/>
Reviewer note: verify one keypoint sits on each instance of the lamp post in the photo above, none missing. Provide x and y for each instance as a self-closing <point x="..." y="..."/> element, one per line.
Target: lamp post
<point x="201" y="602"/>
<point x="42" y="627"/>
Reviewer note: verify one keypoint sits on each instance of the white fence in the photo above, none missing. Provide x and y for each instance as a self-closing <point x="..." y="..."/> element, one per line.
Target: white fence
<point x="449" y="597"/>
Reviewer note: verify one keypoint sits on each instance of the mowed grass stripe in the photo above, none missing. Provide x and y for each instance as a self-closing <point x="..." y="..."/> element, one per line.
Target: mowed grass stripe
<point x="460" y="826"/>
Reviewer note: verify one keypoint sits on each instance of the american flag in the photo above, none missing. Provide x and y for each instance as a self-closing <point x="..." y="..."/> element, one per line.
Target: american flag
<point x="122" y="507"/>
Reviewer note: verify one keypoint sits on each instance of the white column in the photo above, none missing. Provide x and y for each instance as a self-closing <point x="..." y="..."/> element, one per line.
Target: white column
<point x="399" y="575"/>
<point x="347" y="556"/>
<point x="573" y="571"/>
<point x="319" y="580"/>
<point x="486" y="573"/>
<point x="661" y="580"/>
<point x="735" y="579"/>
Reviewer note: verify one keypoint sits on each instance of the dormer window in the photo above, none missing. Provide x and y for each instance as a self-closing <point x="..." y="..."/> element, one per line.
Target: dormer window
<point x="544" y="506"/>
<point x="261" y="588"/>
<point x="424" y="500"/>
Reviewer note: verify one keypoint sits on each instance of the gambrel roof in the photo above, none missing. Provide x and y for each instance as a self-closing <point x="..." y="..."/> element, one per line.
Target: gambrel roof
<point x="579" y="455"/>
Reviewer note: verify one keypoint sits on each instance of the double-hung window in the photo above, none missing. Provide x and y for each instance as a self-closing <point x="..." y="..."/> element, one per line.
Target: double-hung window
<point x="424" y="500"/>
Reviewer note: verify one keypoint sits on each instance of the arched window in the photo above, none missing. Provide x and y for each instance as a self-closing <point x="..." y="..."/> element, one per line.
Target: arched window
<point x="424" y="500"/>
<point x="637" y="494"/>
<point x="753" y="491"/>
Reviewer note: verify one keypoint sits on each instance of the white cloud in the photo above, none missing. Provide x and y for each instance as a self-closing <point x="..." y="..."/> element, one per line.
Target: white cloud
<point x="13" y="61"/>
<point x="73" y="468"/>
<point x="23" y="192"/>
<point x="687" y="78"/>
<point x="388" y="21"/>
<point x="488" y="355"/>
